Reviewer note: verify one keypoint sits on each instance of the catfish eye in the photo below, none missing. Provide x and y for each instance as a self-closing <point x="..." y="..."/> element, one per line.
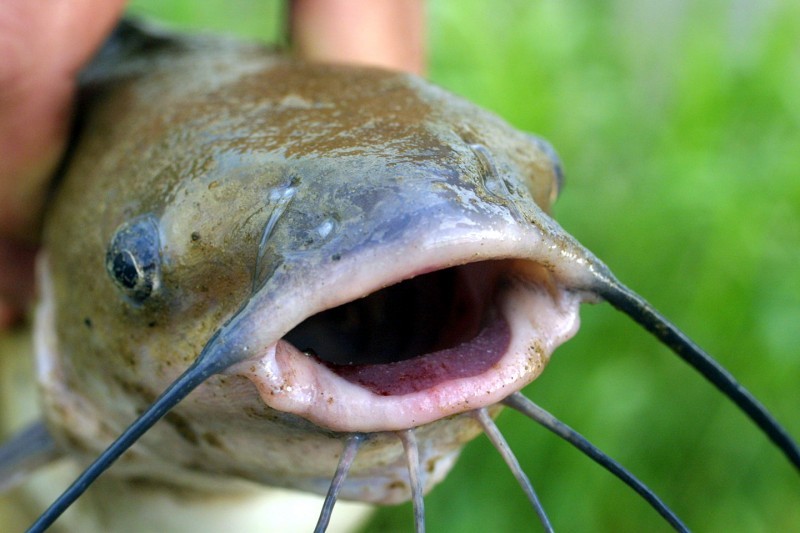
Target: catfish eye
<point x="133" y="258"/>
<point x="551" y="153"/>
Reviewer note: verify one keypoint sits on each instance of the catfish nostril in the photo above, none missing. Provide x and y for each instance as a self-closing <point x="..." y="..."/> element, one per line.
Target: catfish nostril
<point x="492" y="181"/>
<point x="277" y="201"/>
<point x="319" y="233"/>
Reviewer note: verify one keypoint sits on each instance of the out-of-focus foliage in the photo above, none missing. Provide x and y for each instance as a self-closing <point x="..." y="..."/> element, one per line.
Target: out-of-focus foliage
<point x="679" y="127"/>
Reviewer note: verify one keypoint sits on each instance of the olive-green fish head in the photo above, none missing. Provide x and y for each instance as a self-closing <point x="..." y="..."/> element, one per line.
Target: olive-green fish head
<point x="305" y="261"/>
<point x="370" y="251"/>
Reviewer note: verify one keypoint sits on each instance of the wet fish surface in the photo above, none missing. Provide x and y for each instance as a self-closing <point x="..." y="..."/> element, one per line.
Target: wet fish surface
<point x="344" y="258"/>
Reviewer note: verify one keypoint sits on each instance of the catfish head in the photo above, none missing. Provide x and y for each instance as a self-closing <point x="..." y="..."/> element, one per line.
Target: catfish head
<point x="289" y="263"/>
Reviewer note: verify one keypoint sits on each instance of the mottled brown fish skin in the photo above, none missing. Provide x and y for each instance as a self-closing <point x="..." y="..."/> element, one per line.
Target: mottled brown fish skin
<point x="196" y="132"/>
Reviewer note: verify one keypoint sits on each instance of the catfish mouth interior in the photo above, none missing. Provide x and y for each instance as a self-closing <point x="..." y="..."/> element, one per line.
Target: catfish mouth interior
<point x="414" y="334"/>
<point x="412" y="352"/>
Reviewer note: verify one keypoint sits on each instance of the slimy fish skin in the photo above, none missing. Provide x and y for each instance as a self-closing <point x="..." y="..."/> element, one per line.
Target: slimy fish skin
<point x="283" y="271"/>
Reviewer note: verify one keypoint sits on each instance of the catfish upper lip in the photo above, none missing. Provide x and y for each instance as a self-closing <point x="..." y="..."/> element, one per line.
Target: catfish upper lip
<point x="547" y="280"/>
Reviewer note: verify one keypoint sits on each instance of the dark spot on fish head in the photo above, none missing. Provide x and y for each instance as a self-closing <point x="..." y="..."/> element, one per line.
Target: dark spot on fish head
<point x="396" y="485"/>
<point x="145" y="395"/>
<point x="182" y="426"/>
<point x="213" y="440"/>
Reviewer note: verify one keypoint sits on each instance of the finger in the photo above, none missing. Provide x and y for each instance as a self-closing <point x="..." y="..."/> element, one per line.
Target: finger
<point x="386" y="33"/>
<point x="43" y="44"/>
<point x="16" y="280"/>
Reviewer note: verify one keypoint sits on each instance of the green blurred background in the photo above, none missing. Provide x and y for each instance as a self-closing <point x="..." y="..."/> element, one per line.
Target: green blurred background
<point x="679" y="127"/>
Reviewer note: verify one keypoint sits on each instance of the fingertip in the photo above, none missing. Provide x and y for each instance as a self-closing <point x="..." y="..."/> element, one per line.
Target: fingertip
<point x="43" y="48"/>
<point x="10" y="316"/>
<point x="16" y="281"/>
<point x="384" y="33"/>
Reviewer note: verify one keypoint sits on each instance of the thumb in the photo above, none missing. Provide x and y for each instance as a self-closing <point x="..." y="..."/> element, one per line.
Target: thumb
<point x="43" y="45"/>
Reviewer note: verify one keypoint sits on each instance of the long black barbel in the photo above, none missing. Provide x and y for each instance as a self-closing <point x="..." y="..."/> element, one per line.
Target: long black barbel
<point x="203" y="367"/>
<point x="637" y="308"/>
<point x="351" y="447"/>
<point x="499" y="442"/>
<point x="530" y="409"/>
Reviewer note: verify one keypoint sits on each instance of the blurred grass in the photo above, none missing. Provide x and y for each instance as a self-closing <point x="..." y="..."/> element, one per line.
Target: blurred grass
<point x="679" y="127"/>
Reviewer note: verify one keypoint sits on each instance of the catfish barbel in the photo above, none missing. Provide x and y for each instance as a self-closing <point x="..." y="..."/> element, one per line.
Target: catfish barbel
<point x="323" y="278"/>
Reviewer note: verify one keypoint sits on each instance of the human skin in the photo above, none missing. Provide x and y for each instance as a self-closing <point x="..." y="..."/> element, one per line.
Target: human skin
<point x="45" y="43"/>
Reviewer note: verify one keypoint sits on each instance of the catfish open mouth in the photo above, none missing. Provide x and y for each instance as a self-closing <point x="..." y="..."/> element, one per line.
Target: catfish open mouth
<point x="424" y="314"/>
<point x="412" y="335"/>
<point x="424" y="348"/>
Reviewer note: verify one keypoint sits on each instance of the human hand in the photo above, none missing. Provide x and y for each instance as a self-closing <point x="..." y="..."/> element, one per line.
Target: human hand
<point x="43" y="46"/>
<point x="385" y="33"/>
